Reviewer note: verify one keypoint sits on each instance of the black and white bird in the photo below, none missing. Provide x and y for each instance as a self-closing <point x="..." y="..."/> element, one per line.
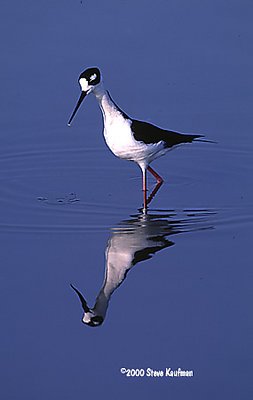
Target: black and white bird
<point x="129" y="138"/>
<point x="135" y="240"/>
<point x="138" y="239"/>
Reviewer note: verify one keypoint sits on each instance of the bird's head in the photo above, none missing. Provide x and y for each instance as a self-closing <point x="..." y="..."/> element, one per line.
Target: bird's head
<point x="90" y="317"/>
<point x="88" y="80"/>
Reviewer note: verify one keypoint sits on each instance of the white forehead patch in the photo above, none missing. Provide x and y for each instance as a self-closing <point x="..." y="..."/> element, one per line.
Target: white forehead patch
<point x="93" y="77"/>
<point x="87" y="317"/>
<point x="84" y="84"/>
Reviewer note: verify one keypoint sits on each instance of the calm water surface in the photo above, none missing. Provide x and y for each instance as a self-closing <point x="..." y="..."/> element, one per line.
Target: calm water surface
<point x="178" y="279"/>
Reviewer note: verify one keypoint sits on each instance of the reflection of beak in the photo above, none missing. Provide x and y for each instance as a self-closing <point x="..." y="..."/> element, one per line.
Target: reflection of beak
<point x="83" y="94"/>
<point x="82" y="299"/>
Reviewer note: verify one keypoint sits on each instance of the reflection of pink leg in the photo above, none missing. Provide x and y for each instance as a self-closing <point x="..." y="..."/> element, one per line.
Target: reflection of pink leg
<point x="144" y="188"/>
<point x="159" y="182"/>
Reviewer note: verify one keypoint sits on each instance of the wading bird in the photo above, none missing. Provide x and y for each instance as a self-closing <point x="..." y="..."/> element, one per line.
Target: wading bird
<point x="128" y="138"/>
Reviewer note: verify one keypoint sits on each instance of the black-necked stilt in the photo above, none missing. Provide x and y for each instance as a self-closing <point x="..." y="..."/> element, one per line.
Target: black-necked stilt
<point x="137" y="240"/>
<point x="134" y="240"/>
<point x="128" y="138"/>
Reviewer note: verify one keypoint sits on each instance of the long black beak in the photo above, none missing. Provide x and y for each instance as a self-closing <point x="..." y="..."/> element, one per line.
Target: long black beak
<point x="82" y="299"/>
<point x="83" y="94"/>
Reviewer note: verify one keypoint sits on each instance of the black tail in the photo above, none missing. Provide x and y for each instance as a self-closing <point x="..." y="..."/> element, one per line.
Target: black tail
<point x="196" y="139"/>
<point x="174" y="138"/>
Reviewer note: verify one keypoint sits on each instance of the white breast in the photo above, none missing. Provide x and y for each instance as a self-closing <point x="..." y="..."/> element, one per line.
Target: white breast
<point x="119" y="138"/>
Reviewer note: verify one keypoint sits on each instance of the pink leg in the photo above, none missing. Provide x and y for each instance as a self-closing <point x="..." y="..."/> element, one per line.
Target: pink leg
<point x="158" y="178"/>
<point x="144" y="188"/>
<point x="159" y="182"/>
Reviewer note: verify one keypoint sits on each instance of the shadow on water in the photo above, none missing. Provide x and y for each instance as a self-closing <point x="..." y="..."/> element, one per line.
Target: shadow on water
<point x="137" y="239"/>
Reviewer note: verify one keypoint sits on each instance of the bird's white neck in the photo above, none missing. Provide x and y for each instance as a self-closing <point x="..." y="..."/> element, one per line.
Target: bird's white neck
<point x="118" y="262"/>
<point x="101" y="304"/>
<point x="107" y="106"/>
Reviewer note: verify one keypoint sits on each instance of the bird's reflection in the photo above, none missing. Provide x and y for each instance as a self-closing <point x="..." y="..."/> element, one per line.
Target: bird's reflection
<point x="134" y="240"/>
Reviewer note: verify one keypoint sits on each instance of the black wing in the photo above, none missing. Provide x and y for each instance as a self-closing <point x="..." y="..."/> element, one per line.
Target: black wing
<point x="148" y="133"/>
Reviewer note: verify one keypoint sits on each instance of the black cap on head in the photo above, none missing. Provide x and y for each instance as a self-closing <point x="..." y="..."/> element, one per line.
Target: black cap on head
<point x="92" y="75"/>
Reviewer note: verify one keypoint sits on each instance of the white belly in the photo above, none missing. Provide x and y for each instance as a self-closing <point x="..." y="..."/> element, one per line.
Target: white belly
<point x="120" y="140"/>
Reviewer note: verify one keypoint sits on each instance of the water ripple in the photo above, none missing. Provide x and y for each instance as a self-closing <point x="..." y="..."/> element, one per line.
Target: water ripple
<point x="60" y="189"/>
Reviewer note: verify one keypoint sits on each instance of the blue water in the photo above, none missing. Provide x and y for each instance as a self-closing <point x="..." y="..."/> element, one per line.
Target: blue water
<point x="65" y="200"/>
